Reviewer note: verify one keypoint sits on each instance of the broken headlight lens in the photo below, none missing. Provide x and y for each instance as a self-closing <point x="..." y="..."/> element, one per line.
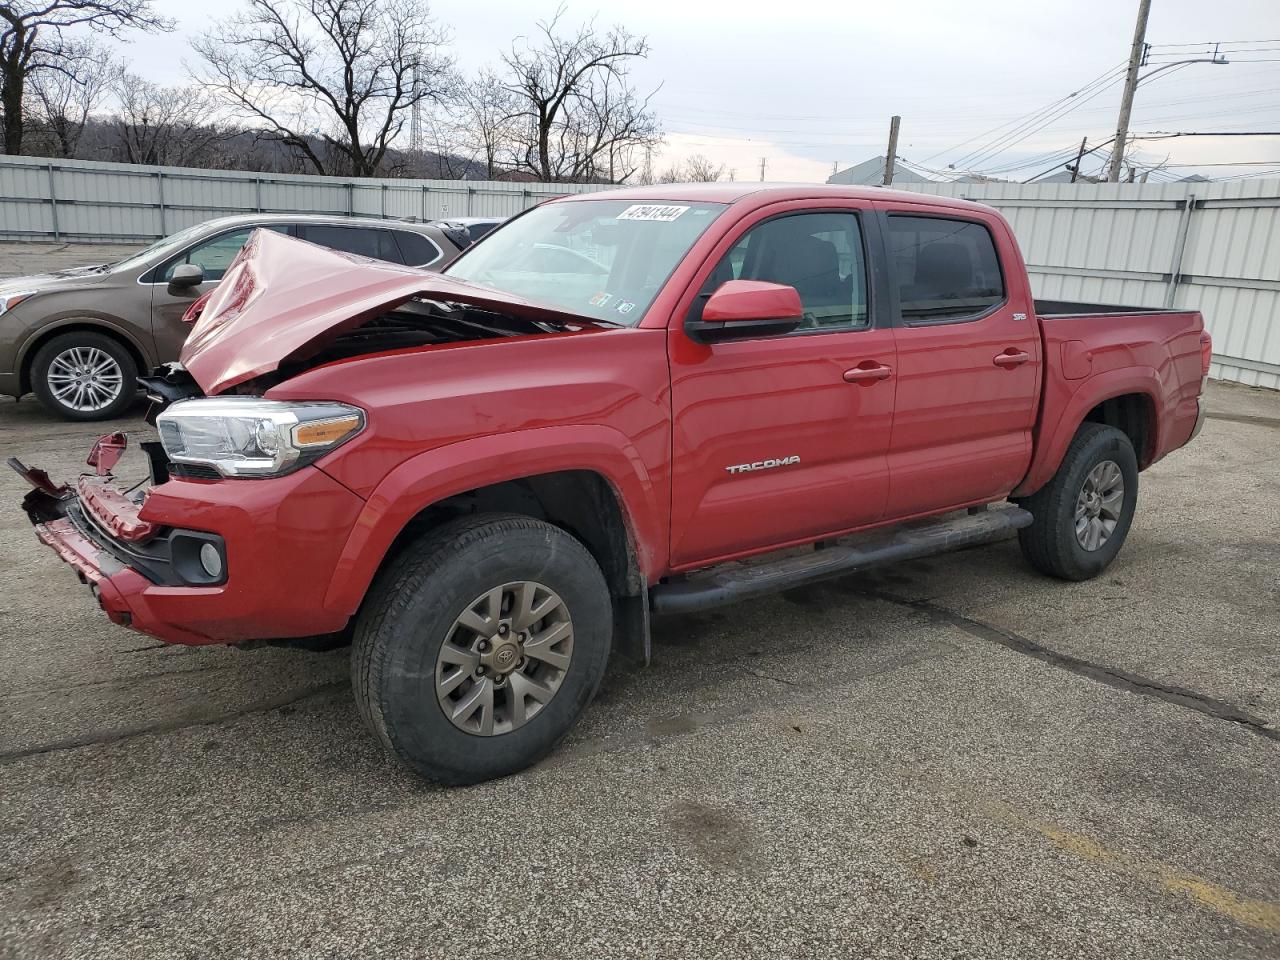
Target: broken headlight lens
<point x="251" y="437"/>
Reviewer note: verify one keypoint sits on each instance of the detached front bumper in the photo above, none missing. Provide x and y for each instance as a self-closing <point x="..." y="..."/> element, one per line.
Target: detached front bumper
<point x="119" y="590"/>
<point x="279" y="540"/>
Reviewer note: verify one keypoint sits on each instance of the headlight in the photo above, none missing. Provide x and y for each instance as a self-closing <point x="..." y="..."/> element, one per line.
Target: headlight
<point x="250" y="437"/>
<point x="11" y="298"/>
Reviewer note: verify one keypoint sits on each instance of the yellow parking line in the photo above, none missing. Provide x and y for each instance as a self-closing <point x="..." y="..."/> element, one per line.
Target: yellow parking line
<point x="1256" y="914"/>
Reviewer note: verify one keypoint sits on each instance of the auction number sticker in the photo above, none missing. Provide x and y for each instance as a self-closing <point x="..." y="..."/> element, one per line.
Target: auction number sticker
<point x="657" y="212"/>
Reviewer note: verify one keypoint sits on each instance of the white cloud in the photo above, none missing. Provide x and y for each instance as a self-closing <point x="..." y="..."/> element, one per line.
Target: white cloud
<point x="742" y="156"/>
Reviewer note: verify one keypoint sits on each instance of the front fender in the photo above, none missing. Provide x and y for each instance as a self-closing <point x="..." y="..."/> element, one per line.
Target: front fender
<point x="438" y="474"/>
<point x="24" y="351"/>
<point x="1053" y="438"/>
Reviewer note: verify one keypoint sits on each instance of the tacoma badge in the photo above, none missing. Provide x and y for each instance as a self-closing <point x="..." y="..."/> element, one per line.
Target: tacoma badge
<point x="764" y="464"/>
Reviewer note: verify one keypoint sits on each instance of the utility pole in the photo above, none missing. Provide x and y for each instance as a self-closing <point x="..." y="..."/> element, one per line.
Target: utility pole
<point x="415" y="118"/>
<point x="764" y="162"/>
<point x="892" y="153"/>
<point x="1075" y="171"/>
<point x="1136" y="55"/>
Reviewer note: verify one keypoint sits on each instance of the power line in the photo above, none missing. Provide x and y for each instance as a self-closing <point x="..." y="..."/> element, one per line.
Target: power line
<point x="1009" y="140"/>
<point x="1019" y="120"/>
<point x="1026" y="129"/>
<point x="1228" y="163"/>
<point x="1166" y="135"/>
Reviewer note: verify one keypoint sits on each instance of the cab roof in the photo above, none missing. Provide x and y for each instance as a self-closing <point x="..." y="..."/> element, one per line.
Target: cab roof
<point x="737" y="191"/>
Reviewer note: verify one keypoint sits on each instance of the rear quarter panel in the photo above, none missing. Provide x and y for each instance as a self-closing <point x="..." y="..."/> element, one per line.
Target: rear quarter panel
<point x="1093" y="358"/>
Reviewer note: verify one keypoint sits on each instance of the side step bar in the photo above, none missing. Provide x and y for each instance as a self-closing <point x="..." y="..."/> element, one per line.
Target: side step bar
<point x="754" y="578"/>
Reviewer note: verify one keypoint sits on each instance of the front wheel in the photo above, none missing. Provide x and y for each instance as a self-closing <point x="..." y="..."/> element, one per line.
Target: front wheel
<point x="480" y="645"/>
<point x="1082" y="515"/>
<point x="84" y="376"/>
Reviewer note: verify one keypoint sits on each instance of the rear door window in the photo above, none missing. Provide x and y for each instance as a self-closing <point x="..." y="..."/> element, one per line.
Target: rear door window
<point x="418" y="251"/>
<point x="478" y="230"/>
<point x="945" y="270"/>
<point x="362" y="241"/>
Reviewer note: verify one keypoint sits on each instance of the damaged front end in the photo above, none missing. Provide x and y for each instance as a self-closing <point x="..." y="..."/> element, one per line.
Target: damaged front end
<point x="192" y="560"/>
<point x="239" y="534"/>
<point x="95" y="527"/>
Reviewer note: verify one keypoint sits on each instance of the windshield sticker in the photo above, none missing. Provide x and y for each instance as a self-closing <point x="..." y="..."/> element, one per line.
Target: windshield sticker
<point x="656" y="212"/>
<point x="601" y="299"/>
<point x="625" y="306"/>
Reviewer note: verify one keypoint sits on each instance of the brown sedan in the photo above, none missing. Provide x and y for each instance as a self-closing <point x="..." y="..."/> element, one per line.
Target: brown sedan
<point x="78" y="338"/>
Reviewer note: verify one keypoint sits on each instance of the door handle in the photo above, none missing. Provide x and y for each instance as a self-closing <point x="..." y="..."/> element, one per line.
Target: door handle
<point x="1011" y="358"/>
<point x="868" y="374"/>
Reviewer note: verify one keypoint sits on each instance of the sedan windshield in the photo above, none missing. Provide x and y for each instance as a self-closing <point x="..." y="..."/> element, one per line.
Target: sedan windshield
<point x="600" y="258"/>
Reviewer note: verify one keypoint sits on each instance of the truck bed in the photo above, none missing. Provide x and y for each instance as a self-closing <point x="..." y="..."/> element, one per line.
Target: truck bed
<point x="1073" y="308"/>
<point x="1095" y="353"/>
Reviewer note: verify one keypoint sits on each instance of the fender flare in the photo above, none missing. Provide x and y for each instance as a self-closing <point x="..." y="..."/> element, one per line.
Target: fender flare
<point x="1052" y="440"/>
<point x="26" y="350"/>
<point x="455" y="468"/>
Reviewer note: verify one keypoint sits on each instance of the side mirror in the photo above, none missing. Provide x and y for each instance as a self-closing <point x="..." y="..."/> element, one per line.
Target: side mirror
<point x="746" y="308"/>
<point x="187" y="275"/>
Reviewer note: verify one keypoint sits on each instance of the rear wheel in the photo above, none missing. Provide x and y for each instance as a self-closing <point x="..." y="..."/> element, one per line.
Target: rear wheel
<point x="84" y="376"/>
<point x="480" y="645"/>
<point x="1083" y="514"/>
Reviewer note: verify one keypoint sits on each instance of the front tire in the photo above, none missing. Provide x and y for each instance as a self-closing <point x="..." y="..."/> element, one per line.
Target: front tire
<point x="480" y="645"/>
<point x="84" y="376"/>
<point x="1083" y="514"/>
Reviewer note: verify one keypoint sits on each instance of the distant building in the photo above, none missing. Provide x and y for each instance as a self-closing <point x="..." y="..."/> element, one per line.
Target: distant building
<point x="1062" y="176"/>
<point x="870" y="173"/>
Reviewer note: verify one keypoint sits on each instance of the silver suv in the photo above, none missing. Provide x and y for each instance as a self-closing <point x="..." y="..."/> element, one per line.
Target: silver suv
<point x="78" y="338"/>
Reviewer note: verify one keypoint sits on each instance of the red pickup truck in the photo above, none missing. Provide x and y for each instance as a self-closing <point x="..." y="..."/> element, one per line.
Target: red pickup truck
<point x="637" y="401"/>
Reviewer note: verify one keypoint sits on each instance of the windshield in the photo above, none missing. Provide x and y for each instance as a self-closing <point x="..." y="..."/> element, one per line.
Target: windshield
<point x="162" y="246"/>
<point x="600" y="258"/>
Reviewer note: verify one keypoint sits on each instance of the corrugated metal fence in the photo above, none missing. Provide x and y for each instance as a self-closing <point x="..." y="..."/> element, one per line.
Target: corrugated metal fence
<point x="1212" y="246"/>
<point x="79" y="200"/>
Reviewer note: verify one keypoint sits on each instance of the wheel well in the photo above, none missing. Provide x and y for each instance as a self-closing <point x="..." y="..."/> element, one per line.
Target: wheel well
<point x="28" y="359"/>
<point x="1133" y="414"/>
<point x="580" y="502"/>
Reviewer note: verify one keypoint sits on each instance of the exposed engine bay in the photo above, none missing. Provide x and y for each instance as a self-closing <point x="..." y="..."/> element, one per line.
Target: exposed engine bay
<point x="419" y="323"/>
<point x="411" y="324"/>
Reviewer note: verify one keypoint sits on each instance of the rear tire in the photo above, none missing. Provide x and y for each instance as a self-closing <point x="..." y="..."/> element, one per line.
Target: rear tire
<point x="1083" y="514"/>
<point x="84" y="375"/>
<point x="446" y="693"/>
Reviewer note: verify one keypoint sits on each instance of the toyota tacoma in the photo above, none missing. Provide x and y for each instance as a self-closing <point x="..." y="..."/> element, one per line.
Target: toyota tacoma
<point x="633" y="402"/>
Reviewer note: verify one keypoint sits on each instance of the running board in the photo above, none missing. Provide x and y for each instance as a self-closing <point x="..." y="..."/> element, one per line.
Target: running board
<point x="720" y="586"/>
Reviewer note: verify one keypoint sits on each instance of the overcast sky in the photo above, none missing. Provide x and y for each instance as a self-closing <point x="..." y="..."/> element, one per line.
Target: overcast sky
<point x="809" y="84"/>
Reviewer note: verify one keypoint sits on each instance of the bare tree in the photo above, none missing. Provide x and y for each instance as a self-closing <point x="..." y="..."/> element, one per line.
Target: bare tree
<point x="699" y="169"/>
<point x="696" y="169"/>
<point x="447" y="154"/>
<point x="486" y="112"/>
<point x="344" y="73"/>
<point x="579" y="118"/>
<point x="33" y="39"/>
<point x="62" y="99"/>
<point x="163" y="125"/>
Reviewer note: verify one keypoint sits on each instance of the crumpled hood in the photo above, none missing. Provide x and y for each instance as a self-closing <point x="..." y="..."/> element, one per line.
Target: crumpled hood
<point x="284" y="299"/>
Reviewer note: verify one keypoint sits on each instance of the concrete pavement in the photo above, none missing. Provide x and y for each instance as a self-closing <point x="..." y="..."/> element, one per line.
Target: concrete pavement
<point x="952" y="758"/>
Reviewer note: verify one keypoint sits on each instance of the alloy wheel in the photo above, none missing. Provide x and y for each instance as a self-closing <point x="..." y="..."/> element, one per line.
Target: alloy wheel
<point x="504" y="658"/>
<point x="85" y="379"/>
<point x="1099" y="505"/>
